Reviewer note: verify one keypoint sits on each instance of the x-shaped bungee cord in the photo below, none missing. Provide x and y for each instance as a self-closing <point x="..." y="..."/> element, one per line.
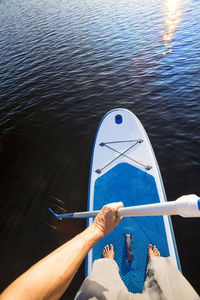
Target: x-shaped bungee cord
<point x="139" y="141"/>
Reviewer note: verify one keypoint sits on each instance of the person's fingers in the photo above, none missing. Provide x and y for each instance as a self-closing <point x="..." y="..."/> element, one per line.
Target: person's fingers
<point x="107" y="218"/>
<point x="115" y="205"/>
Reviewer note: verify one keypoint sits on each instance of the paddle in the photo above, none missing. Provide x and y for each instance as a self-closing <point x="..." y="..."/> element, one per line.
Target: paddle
<point x="185" y="206"/>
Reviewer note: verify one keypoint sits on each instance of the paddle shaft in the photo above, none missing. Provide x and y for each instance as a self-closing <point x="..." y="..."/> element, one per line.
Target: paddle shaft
<point x="134" y="211"/>
<point x="186" y="206"/>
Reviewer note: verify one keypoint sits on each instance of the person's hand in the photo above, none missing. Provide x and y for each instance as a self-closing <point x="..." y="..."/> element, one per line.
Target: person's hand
<point x="107" y="218"/>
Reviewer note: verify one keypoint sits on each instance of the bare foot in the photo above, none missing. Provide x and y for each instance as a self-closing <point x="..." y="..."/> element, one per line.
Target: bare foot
<point x="153" y="252"/>
<point x="108" y="252"/>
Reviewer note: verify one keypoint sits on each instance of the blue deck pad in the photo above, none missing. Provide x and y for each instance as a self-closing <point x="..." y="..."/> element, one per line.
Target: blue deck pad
<point x="133" y="187"/>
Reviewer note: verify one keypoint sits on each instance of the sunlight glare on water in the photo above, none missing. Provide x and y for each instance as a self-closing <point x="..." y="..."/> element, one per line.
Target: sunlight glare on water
<point x="172" y="20"/>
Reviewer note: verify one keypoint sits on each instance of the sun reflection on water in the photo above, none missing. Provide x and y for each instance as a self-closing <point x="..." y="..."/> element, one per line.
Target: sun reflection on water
<point x="172" y="19"/>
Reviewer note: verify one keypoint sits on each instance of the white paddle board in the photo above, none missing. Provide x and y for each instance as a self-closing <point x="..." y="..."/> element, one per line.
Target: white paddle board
<point x="124" y="168"/>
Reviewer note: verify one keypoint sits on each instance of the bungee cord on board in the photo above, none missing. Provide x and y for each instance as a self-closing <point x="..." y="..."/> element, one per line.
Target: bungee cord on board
<point x="139" y="141"/>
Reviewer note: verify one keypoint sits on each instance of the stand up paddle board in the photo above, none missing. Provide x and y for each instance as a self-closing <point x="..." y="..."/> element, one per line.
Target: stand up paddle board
<point x="124" y="168"/>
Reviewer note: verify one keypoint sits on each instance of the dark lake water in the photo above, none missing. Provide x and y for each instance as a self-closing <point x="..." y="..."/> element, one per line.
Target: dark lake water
<point x="63" y="65"/>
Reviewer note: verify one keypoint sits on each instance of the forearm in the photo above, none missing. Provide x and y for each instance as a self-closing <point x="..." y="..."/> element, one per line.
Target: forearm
<point x="50" y="277"/>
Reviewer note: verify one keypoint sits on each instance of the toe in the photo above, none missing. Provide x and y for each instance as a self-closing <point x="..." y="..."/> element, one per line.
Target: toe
<point x="111" y="247"/>
<point x="150" y="249"/>
<point x="157" y="253"/>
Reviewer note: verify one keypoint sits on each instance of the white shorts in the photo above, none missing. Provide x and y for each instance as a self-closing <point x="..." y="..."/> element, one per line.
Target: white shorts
<point x="163" y="282"/>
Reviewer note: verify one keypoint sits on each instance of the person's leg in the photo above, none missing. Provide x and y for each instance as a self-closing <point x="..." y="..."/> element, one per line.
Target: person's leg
<point x="164" y="281"/>
<point x="104" y="282"/>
